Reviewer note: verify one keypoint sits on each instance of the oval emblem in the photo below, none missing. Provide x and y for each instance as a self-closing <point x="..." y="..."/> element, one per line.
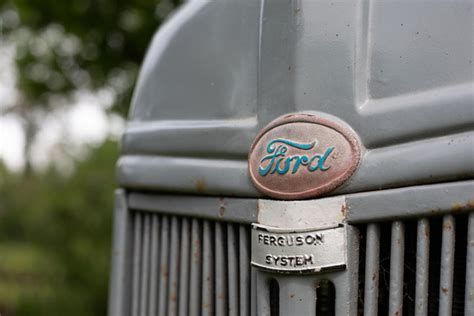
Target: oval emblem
<point x="301" y="156"/>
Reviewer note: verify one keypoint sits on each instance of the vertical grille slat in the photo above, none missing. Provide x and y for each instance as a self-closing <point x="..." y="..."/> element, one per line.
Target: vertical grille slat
<point x="422" y="266"/>
<point x="430" y="269"/>
<point x="188" y="266"/>
<point x="220" y="270"/>
<point x="469" y="295"/>
<point x="371" y="290"/>
<point x="173" y="268"/>
<point x="137" y="231"/>
<point x="263" y="290"/>
<point x="244" y="264"/>
<point x="145" y="277"/>
<point x="207" y="270"/>
<point x="396" y="268"/>
<point x="184" y="268"/>
<point x="163" y="271"/>
<point x="233" y="269"/>
<point x="154" y="259"/>
<point x="447" y="266"/>
<point x="196" y="268"/>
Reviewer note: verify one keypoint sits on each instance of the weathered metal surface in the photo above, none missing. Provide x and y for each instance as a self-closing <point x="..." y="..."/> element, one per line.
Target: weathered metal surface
<point x="469" y="299"/>
<point x="320" y="214"/>
<point x="298" y="251"/>
<point x="403" y="94"/>
<point x="301" y="156"/>
<point x="372" y="260"/>
<point x="411" y="202"/>
<point x="446" y="272"/>
<point x="397" y="266"/>
<point x="120" y="280"/>
<point x="444" y="158"/>
<point x="422" y="267"/>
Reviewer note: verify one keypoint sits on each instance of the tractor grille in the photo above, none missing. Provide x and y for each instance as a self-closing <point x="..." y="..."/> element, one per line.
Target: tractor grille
<point x="417" y="267"/>
<point x="187" y="266"/>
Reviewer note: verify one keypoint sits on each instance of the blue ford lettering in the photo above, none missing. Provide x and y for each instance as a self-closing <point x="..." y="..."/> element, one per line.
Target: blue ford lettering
<point x="277" y="162"/>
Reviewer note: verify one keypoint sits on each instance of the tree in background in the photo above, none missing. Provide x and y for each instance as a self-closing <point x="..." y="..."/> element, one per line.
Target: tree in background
<point x="63" y="47"/>
<point x="55" y="233"/>
<point x="55" y="228"/>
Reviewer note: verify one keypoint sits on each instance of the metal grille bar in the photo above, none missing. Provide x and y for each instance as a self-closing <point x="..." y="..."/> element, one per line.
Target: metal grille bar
<point x="469" y="300"/>
<point x="371" y="290"/>
<point x="447" y="266"/>
<point x="184" y="266"/>
<point x="422" y="266"/>
<point x="430" y="282"/>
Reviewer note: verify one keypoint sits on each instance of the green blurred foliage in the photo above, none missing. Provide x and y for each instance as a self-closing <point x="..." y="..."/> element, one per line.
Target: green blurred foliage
<point x="63" y="46"/>
<point x="55" y="229"/>
<point x="55" y="238"/>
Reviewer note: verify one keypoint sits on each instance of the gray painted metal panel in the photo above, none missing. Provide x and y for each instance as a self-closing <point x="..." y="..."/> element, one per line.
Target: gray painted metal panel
<point x="145" y="264"/>
<point x="207" y="304"/>
<point x="137" y="227"/>
<point x="422" y="267"/>
<point x="297" y="296"/>
<point x="120" y="280"/>
<point x="173" y="267"/>
<point x="164" y="266"/>
<point x="184" y="268"/>
<point x="263" y="289"/>
<point x="233" y="269"/>
<point x="220" y="266"/>
<point x="447" y="266"/>
<point x="397" y="265"/>
<point x="411" y="202"/>
<point x="244" y="264"/>
<point x="469" y="300"/>
<point x="247" y="62"/>
<point x="154" y="265"/>
<point x="402" y="203"/>
<point x="196" y="269"/>
<point x="372" y="258"/>
<point x="444" y="158"/>
<point x="215" y="208"/>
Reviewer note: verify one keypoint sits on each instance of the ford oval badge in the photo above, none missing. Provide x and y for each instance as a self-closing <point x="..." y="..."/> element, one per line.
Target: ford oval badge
<point x="302" y="156"/>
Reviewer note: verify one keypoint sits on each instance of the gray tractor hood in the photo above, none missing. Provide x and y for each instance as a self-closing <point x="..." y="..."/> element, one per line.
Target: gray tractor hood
<point x="399" y="73"/>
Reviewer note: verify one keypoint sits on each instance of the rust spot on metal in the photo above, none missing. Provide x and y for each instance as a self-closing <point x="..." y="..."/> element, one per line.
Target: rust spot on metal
<point x="470" y="203"/>
<point x="445" y="290"/>
<point x="164" y="271"/>
<point x="221" y="211"/>
<point x="344" y="210"/>
<point x="397" y="313"/>
<point x="374" y="276"/>
<point x="292" y="295"/>
<point x="447" y="226"/>
<point x="200" y="186"/>
<point x="456" y="207"/>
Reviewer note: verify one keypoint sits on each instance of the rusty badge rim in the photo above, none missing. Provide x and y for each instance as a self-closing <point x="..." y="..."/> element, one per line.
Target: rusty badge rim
<point x="348" y="169"/>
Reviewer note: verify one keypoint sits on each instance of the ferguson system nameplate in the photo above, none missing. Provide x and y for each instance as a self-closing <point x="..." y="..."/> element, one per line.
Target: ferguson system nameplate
<point x="298" y="251"/>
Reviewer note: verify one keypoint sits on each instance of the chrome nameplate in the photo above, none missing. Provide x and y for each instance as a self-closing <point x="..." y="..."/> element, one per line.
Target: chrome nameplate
<point x="298" y="251"/>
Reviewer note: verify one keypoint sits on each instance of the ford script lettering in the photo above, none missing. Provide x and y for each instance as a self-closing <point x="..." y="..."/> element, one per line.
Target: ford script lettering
<point x="276" y="160"/>
<point x="302" y="156"/>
